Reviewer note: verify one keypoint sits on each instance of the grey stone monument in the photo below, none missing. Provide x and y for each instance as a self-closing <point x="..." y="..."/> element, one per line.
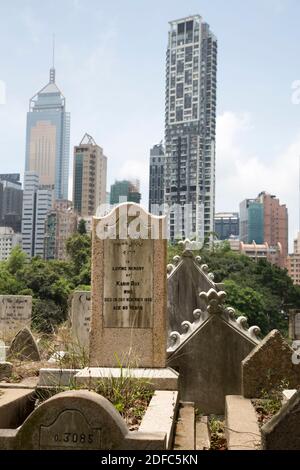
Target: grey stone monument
<point x="15" y="313"/>
<point x="208" y="353"/>
<point x="187" y="276"/>
<point x="80" y="319"/>
<point x="77" y="420"/>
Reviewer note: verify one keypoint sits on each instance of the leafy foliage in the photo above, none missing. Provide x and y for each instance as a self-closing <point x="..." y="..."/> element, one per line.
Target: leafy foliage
<point x="49" y="282"/>
<point x="82" y="227"/>
<point x="262" y="292"/>
<point x="259" y="290"/>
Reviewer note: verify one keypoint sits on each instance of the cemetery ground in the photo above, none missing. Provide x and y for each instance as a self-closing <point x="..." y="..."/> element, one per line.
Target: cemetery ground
<point x="131" y="398"/>
<point x="128" y="346"/>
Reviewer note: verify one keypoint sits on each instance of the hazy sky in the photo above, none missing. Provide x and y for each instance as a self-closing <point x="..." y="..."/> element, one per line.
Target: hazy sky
<point x="110" y="65"/>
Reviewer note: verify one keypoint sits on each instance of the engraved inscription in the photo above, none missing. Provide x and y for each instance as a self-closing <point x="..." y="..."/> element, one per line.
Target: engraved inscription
<point x="128" y="267"/>
<point x="70" y="430"/>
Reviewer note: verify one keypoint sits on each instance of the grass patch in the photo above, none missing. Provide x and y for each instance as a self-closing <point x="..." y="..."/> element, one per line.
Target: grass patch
<point x="129" y="395"/>
<point x="217" y="433"/>
<point x="269" y="404"/>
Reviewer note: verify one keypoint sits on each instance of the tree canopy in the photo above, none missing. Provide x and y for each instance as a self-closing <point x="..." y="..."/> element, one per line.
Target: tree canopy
<point x="262" y="292"/>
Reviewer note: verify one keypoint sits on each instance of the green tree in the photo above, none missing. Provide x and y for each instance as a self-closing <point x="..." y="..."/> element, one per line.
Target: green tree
<point x="9" y="285"/>
<point x="16" y="260"/>
<point x="81" y="229"/>
<point x="249" y="302"/>
<point x="46" y="315"/>
<point x="79" y="251"/>
<point x="259" y="290"/>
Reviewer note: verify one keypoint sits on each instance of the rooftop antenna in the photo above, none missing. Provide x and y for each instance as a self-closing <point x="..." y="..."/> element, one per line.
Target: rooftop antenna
<point x="53" y="51"/>
<point x="52" y="70"/>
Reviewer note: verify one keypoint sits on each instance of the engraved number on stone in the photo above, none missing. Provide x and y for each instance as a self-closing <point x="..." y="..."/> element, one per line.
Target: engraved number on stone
<point x="74" y="437"/>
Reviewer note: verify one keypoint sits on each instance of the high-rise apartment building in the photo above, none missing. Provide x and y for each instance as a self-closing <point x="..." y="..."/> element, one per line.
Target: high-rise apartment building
<point x="37" y="202"/>
<point x="156" y="178"/>
<point x="48" y="138"/>
<point x="293" y="262"/>
<point x="60" y="224"/>
<point x="275" y="222"/>
<point x="191" y="81"/>
<point x="252" y="221"/>
<point x="227" y="225"/>
<point x="265" y="220"/>
<point x="8" y="240"/>
<point x="11" y="201"/>
<point x="90" y="173"/>
<point x="123" y="191"/>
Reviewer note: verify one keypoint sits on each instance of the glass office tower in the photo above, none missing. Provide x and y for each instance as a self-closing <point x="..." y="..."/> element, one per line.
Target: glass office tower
<point x="48" y="138"/>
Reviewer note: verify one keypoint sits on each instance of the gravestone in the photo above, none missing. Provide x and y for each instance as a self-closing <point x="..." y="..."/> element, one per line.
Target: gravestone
<point x="15" y="313"/>
<point x="209" y="352"/>
<point x="294" y="324"/>
<point x="6" y="369"/>
<point x="24" y="347"/>
<point x="269" y="365"/>
<point x="187" y="276"/>
<point x="2" y="351"/>
<point x="282" y="432"/>
<point x="128" y="289"/>
<point x="80" y="318"/>
<point x="77" y="420"/>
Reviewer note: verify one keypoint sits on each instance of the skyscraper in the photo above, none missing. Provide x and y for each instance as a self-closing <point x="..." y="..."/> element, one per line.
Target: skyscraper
<point x="252" y="221"/>
<point x="8" y="240"/>
<point x="293" y="262"/>
<point x="265" y="220"/>
<point x="89" y="180"/>
<point x="60" y="224"/>
<point x="191" y="79"/>
<point x="37" y="202"/>
<point x="122" y="191"/>
<point x="227" y="225"/>
<point x="275" y="222"/>
<point x="48" y="138"/>
<point x="11" y="201"/>
<point x="156" y="178"/>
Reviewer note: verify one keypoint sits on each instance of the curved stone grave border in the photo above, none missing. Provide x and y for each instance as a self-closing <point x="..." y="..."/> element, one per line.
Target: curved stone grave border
<point x="84" y="420"/>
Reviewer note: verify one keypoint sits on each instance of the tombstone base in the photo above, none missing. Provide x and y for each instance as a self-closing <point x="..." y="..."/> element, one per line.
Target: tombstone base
<point x="84" y="420"/>
<point x="160" y="379"/>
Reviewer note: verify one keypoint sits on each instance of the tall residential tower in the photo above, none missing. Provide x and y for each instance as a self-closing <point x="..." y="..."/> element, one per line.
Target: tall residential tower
<point x="89" y="181"/>
<point x="37" y="202"/>
<point x="191" y="80"/>
<point x="156" y="178"/>
<point x="48" y="138"/>
<point x="11" y="201"/>
<point x="265" y="220"/>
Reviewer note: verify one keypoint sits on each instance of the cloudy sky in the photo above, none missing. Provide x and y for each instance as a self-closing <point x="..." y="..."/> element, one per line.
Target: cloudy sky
<point x="110" y="65"/>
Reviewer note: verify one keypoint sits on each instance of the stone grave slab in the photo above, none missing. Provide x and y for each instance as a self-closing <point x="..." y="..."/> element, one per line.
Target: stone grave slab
<point x="268" y="366"/>
<point x="187" y="277"/>
<point x="80" y="319"/>
<point x="24" y="347"/>
<point x="160" y="379"/>
<point x="282" y="432"/>
<point x="128" y="289"/>
<point x="78" y="420"/>
<point x="209" y="352"/>
<point x="6" y="369"/>
<point x="15" y="313"/>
